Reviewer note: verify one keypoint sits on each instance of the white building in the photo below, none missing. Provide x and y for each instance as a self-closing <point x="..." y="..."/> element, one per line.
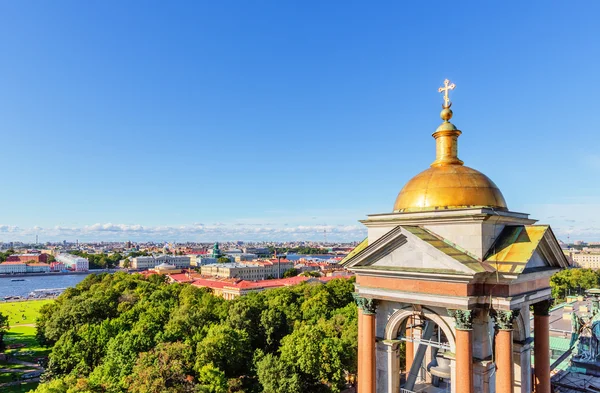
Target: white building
<point x="202" y="260"/>
<point x="149" y="262"/>
<point x="586" y="260"/>
<point x="247" y="271"/>
<point x="38" y="267"/>
<point x="13" y="268"/>
<point x="74" y="262"/>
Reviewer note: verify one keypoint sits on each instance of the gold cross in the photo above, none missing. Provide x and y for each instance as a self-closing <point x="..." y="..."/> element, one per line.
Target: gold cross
<point x="447" y="86"/>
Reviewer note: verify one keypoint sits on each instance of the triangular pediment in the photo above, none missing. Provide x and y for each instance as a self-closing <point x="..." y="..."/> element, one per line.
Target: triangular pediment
<point x="521" y="249"/>
<point x="414" y="249"/>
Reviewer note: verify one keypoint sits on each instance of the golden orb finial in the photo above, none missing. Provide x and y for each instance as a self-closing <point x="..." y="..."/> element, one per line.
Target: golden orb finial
<point x="446" y="114"/>
<point x="447" y="86"/>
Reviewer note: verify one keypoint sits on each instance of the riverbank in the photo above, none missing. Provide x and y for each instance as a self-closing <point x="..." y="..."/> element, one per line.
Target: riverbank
<point x="51" y="274"/>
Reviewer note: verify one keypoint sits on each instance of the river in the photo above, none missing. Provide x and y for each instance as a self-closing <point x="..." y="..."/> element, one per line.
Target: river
<point x="31" y="283"/>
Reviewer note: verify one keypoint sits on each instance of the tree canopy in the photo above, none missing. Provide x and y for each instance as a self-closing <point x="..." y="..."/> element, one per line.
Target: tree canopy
<point x="100" y="261"/>
<point x="573" y="281"/>
<point x="127" y="333"/>
<point x="4" y="326"/>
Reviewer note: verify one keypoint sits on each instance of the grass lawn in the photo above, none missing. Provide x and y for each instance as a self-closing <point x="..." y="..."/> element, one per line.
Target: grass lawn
<point x="9" y="377"/>
<point x="24" y="387"/>
<point x="22" y="313"/>
<point x="24" y="335"/>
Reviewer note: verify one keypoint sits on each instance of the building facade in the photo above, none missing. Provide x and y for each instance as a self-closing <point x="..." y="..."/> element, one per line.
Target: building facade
<point x="38" y="268"/>
<point x="13" y="268"/>
<point x="452" y="273"/>
<point x="29" y="257"/>
<point x="585" y="260"/>
<point x="258" y="270"/>
<point x="149" y="262"/>
<point x="74" y="262"/>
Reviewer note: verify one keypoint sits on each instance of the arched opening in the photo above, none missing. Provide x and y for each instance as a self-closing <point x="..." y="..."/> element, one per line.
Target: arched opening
<point x="425" y="362"/>
<point x="521" y="353"/>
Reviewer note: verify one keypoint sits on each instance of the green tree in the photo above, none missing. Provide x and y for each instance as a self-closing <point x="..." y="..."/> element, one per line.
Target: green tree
<point x="117" y="332"/>
<point x="226" y="348"/>
<point x="223" y="260"/>
<point x="166" y="368"/>
<point x="4" y="326"/>
<point x="212" y="380"/>
<point x="319" y="357"/>
<point x="572" y="281"/>
<point x="291" y="273"/>
<point x="277" y="376"/>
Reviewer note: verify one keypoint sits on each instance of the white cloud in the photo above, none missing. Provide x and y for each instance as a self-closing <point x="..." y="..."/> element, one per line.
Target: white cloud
<point x="571" y="221"/>
<point x="187" y="232"/>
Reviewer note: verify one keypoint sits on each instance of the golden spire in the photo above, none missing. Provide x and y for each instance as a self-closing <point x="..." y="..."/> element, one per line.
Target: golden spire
<point x="447" y="86"/>
<point x="446" y="135"/>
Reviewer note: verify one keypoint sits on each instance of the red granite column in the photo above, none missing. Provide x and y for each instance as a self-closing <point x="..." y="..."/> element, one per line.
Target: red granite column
<point x="366" y="345"/>
<point x="505" y="374"/>
<point x="410" y="349"/>
<point x="464" y="350"/>
<point x="504" y="365"/>
<point x="541" y="346"/>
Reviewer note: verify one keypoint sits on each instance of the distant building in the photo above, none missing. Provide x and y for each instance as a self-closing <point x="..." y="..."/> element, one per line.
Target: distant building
<point x="256" y="270"/>
<point x="13" y="267"/>
<point x="74" y="262"/>
<point x="216" y="252"/>
<point x="29" y="257"/>
<point x="57" y="267"/>
<point x="202" y="260"/>
<point x="230" y="288"/>
<point x="39" y="267"/>
<point x="244" y="257"/>
<point x="260" y="251"/>
<point x="586" y="260"/>
<point x="149" y="262"/>
<point x="165" y="268"/>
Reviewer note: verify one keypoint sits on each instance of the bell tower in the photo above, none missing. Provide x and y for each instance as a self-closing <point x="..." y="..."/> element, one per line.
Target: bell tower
<point x="446" y="281"/>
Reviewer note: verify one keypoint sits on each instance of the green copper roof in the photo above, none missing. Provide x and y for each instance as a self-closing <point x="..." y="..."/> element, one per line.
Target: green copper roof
<point x="447" y="248"/>
<point x="361" y="246"/>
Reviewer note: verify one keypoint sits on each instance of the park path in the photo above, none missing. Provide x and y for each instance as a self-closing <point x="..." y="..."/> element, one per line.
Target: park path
<point x="2" y="385"/>
<point x="32" y="368"/>
<point x="20" y="370"/>
<point x="24" y="363"/>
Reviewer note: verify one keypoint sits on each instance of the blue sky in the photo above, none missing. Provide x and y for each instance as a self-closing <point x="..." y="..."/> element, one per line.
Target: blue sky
<point x="274" y="119"/>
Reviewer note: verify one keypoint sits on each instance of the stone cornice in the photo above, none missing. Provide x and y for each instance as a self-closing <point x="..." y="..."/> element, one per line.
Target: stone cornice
<point x="433" y="275"/>
<point x="418" y="298"/>
<point x="447" y="217"/>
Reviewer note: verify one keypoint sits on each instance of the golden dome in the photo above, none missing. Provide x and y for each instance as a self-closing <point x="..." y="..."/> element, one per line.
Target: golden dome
<point x="448" y="184"/>
<point x="449" y="187"/>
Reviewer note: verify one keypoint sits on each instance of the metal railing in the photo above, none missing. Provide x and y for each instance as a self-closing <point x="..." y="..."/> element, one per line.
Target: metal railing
<point x="429" y="343"/>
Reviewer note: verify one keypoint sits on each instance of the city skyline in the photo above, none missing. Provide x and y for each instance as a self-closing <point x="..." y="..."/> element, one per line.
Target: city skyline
<point x="257" y="122"/>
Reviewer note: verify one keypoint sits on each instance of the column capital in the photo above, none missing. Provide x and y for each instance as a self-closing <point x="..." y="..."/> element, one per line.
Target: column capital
<point x="503" y="319"/>
<point x="463" y="319"/>
<point x="542" y="308"/>
<point x="367" y="305"/>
